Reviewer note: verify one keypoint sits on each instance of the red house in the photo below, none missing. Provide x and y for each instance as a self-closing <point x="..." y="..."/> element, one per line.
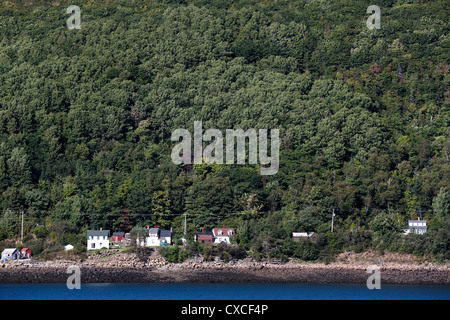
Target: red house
<point x="25" y="253"/>
<point x="117" y="236"/>
<point x="204" y="237"/>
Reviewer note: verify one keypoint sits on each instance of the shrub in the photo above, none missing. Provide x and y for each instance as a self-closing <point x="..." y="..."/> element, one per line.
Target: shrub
<point x="174" y="254"/>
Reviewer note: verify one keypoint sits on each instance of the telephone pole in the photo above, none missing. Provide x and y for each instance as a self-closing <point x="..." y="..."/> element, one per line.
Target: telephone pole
<point x="21" y="232"/>
<point x="332" y="220"/>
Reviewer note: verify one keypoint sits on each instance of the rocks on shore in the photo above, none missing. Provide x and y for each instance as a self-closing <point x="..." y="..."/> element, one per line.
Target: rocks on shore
<point x="116" y="266"/>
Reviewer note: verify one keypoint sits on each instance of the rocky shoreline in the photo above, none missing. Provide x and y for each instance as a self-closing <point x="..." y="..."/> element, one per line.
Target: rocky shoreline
<point x="115" y="267"/>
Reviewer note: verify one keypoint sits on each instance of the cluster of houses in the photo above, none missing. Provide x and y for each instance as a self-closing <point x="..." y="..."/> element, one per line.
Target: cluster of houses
<point x="14" y="254"/>
<point x="98" y="239"/>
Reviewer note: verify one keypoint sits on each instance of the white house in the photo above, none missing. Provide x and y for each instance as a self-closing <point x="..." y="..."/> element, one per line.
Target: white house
<point x="157" y="237"/>
<point x="153" y="237"/>
<point x="416" y="226"/>
<point x="165" y="237"/>
<point x="10" y="254"/>
<point x="97" y="239"/>
<point x="222" y="235"/>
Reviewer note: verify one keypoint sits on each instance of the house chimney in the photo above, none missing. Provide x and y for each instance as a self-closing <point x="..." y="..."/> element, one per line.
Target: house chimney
<point x="223" y="226"/>
<point x="170" y="229"/>
<point x="203" y="230"/>
<point x="148" y="227"/>
<point x="101" y="229"/>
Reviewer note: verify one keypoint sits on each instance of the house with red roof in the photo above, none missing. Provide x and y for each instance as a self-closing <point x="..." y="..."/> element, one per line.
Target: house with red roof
<point x="222" y="235"/>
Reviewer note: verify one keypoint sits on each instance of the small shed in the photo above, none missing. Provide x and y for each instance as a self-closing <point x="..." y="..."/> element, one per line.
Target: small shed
<point x="126" y="239"/>
<point x="118" y="236"/>
<point x="25" y="253"/>
<point x="68" y="247"/>
<point x="10" y="254"/>
<point x="313" y="236"/>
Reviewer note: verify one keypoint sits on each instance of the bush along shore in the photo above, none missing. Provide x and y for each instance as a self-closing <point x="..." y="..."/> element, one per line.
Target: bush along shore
<point x="113" y="266"/>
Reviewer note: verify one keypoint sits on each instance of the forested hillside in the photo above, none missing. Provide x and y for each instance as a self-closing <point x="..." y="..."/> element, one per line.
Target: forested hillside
<point x="86" y="117"/>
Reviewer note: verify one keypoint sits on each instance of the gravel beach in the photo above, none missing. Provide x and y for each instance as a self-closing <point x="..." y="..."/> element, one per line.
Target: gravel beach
<point x="114" y="267"/>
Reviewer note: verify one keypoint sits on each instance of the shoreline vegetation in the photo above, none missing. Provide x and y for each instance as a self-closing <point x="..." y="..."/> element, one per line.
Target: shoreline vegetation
<point x="113" y="266"/>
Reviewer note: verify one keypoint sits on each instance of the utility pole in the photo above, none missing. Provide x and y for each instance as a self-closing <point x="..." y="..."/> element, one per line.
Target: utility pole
<point x="185" y="225"/>
<point x="332" y="220"/>
<point x="21" y="233"/>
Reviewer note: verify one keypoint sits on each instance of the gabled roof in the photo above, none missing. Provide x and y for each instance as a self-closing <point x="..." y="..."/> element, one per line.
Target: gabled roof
<point x="98" y="233"/>
<point x="204" y="237"/>
<point x="165" y="233"/>
<point x="119" y="234"/>
<point x="153" y="231"/>
<point x="224" y="232"/>
<point x="209" y="233"/>
<point x="9" y="250"/>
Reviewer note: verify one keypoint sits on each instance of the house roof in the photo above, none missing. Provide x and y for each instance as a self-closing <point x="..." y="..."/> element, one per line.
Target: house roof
<point x="209" y="233"/>
<point x="415" y="221"/>
<point x="224" y="232"/>
<point x="165" y="233"/>
<point x="299" y="234"/>
<point x="9" y="250"/>
<point x="120" y="234"/>
<point x="153" y="230"/>
<point x="204" y="237"/>
<point x="24" y="249"/>
<point x="98" y="233"/>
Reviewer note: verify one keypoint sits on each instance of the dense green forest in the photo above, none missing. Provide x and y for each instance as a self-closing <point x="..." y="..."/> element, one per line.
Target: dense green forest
<point x="86" y="117"/>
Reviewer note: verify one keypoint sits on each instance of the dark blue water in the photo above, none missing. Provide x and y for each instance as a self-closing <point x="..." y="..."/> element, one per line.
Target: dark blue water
<point x="221" y="291"/>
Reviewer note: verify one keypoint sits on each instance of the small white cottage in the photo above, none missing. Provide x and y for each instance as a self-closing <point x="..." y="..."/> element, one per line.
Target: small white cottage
<point x="10" y="254"/>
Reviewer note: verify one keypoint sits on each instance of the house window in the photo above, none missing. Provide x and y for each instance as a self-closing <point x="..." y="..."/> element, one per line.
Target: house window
<point x="93" y="245"/>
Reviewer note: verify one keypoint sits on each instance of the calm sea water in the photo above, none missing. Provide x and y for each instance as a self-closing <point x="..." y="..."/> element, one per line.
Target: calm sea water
<point x="221" y="291"/>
